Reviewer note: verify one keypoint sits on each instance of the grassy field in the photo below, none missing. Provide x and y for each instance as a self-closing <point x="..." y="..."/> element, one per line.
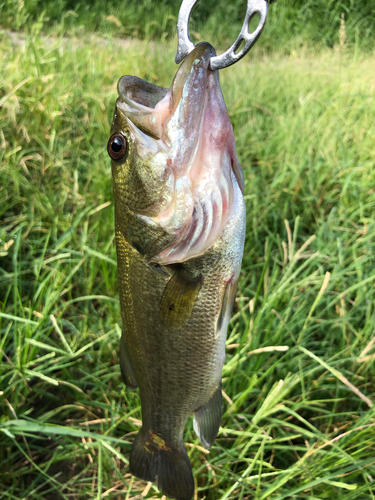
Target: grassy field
<point x="299" y="377"/>
<point x="289" y="24"/>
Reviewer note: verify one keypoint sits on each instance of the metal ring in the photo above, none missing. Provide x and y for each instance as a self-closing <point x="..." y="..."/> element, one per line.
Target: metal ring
<point x="185" y="45"/>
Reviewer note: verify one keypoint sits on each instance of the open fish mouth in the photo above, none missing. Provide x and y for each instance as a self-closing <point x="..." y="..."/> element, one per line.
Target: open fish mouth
<point x="203" y="176"/>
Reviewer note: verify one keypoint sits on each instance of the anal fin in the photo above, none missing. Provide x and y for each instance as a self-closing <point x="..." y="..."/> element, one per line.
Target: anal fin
<point x="207" y="419"/>
<point x="127" y="371"/>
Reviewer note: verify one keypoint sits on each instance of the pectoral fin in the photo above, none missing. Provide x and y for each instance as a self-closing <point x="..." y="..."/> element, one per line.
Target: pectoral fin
<point x="178" y="299"/>
<point x="127" y="371"/>
<point x="207" y="419"/>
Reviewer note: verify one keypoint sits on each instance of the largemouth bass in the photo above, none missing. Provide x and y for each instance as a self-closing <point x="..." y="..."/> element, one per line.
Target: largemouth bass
<point x="180" y="226"/>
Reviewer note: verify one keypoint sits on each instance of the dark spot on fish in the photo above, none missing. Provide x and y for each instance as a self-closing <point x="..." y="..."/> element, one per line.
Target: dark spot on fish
<point x="137" y="247"/>
<point x="171" y="307"/>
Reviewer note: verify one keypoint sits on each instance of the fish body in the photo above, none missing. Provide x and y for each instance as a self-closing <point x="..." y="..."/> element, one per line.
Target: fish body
<point x="180" y="226"/>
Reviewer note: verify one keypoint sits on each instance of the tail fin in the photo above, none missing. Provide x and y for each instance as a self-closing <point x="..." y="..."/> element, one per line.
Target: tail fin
<point x="152" y="459"/>
<point x="175" y="477"/>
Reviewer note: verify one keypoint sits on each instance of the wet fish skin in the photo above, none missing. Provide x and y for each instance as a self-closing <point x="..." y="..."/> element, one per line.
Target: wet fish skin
<point x="180" y="226"/>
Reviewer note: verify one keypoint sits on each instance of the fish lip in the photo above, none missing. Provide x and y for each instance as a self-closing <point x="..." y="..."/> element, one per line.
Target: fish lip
<point x="133" y="90"/>
<point x="194" y="66"/>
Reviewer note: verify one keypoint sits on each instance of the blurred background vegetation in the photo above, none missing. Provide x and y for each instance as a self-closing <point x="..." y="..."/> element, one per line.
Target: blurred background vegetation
<point x="290" y="23"/>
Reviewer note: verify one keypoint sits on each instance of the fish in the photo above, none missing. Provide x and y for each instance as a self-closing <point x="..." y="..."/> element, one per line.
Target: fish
<point x="180" y="229"/>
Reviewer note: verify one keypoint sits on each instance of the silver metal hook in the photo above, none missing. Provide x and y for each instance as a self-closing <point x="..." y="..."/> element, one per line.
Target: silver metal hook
<point x="231" y="56"/>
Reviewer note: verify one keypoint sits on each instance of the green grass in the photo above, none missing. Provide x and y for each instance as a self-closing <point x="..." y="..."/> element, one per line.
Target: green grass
<point x="289" y="24"/>
<point x="299" y="376"/>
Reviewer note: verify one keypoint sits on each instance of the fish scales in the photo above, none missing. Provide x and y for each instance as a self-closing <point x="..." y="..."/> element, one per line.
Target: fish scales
<point x="180" y="226"/>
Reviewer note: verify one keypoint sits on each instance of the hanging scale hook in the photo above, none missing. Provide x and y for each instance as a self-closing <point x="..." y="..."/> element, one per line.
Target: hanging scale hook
<point x="231" y="56"/>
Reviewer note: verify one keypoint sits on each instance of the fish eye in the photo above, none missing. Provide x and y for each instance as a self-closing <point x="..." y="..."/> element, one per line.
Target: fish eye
<point x="117" y="146"/>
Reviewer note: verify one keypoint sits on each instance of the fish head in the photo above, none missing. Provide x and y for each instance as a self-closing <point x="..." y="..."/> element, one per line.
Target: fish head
<point x="174" y="162"/>
<point x="135" y="145"/>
